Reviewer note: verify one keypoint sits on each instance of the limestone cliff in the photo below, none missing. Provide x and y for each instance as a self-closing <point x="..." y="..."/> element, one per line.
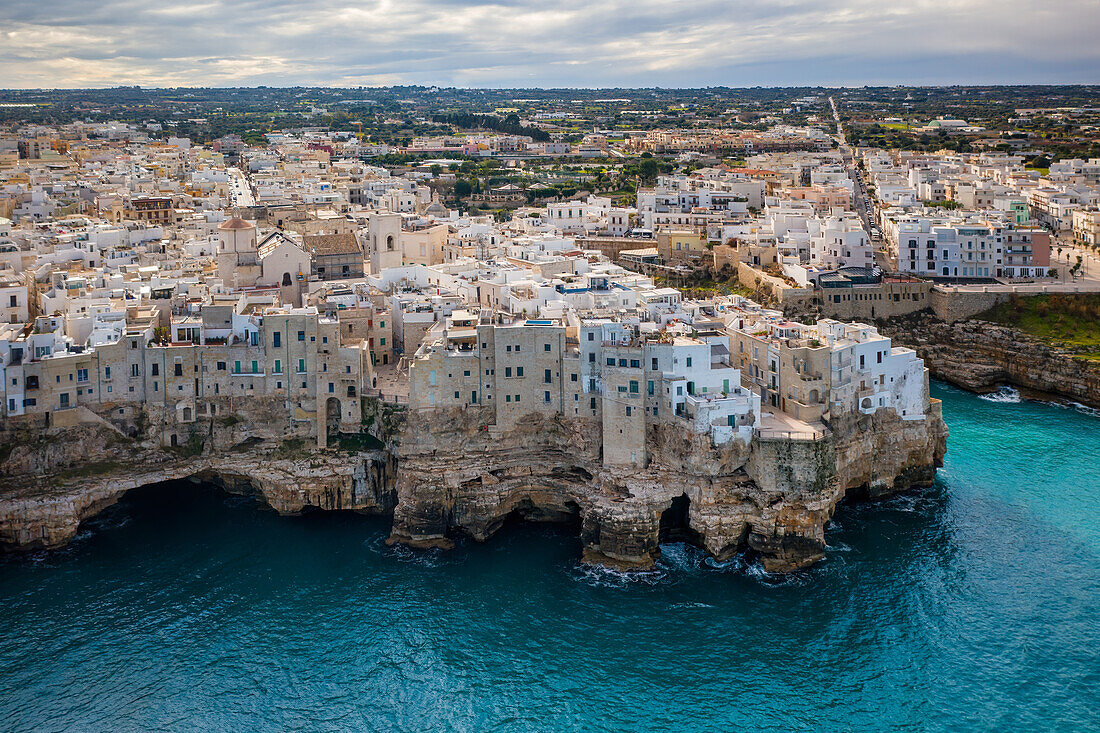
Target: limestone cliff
<point x="980" y="356"/>
<point x="65" y="475"/>
<point x="447" y="473"/>
<point x="772" y="497"/>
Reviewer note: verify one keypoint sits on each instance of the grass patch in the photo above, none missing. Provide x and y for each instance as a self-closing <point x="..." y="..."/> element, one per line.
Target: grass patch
<point x="291" y="448"/>
<point x="358" y="442"/>
<point x="1071" y="322"/>
<point x="88" y="470"/>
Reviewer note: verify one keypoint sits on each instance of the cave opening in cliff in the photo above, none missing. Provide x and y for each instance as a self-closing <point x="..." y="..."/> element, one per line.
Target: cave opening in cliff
<point x="675" y="524"/>
<point x="562" y="518"/>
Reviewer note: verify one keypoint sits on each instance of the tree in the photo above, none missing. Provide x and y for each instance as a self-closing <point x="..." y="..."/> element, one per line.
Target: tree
<point x="436" y="169"/>
<point x="463" y="188"/>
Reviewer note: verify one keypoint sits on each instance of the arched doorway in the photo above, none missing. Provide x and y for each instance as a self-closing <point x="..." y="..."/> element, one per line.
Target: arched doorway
<point x="286" y="279"/>
<point x="332" y="416"/>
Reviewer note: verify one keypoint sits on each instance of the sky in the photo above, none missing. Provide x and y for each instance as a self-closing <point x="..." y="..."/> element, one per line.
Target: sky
<point x="544" y="43"/>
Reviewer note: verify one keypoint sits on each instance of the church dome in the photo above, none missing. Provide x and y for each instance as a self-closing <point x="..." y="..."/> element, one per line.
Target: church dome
<point x="235" y="223"/>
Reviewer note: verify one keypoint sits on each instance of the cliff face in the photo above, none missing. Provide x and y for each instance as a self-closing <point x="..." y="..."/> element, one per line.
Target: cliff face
<point x="772" y="498"/>
<point x="451" y="473"/>
<point x="980" y="356"/>
<point x="54" y="483"/>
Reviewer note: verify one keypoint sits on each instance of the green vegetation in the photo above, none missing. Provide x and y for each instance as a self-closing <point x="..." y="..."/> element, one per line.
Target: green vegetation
<point x="1068" y="321"/>
<point x="87" y="470"/>
<point x="190" y="448"/>
<point x="291" y="448"/>
<point x="509" y="125"/>
<point x="706" y="285"/>
<point x="358" y="442"/>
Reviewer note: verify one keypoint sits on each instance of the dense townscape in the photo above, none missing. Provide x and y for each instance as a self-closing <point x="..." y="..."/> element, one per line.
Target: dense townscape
<point x="465" y="365"/>
<point x="642" y="268"/>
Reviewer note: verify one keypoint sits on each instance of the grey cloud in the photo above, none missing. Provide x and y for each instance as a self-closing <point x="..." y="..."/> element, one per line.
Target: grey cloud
<point x="531" y="43"/>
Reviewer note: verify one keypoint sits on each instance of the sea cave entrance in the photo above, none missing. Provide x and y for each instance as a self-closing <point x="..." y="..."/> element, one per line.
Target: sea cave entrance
<point x="675" y="523"/>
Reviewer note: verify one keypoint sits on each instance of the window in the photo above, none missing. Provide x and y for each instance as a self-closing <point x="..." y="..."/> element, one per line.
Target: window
<point x="635" y="364"/>
<point x="156" y="369"/>
<point x="135" y="370"/>
<point x="301" y="366"/>
<point x="517" y="398"/>
<point x="519" y="371"/>
<point x="278" y="366"/>
<point x="331" y="387"/>
<point x="382" y="341"/>
<point x="507" y="371"/>
<point x="689" y="361"/>
<point x="649" y="387"/>
<point x="106" y="372"/>
<point x="654" y="367"/>
<point x="255" y="368"/>
<point x="622" y="362"/>
<point x="633" y="386"/>
<point x="177" y="369"/>
<point x="517" y="347"/>
<point x="592" y="358"/>
<point x="301" y="335"/>
<point x="82" y="375"/>
<point x="546" y="347"/>
<point x="546" y="397"/>
<point x="572" y="377"/>
<point x="64" y="399"/>
<point x="221" y="366"/>
<point x="507" y="398"/>
<point x="277" y="339"/>
<point x="508" y="347"/>
<point x="546" y="376"/>
<point x="591" y="336"/>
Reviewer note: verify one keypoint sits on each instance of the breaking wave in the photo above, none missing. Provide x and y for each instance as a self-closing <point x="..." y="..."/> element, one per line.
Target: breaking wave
<point x="1005" y="394"/>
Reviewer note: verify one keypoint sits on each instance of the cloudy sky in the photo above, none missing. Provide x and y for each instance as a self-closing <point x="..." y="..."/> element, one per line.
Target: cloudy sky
<point x="577" y="43"/>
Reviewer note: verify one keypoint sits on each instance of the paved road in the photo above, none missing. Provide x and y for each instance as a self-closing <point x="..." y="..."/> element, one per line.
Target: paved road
<point x="863" y="203"/>
<point x="240" y="190"/>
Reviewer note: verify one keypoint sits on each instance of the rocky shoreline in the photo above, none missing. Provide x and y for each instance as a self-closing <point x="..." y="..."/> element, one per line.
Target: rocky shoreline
<point x="980" y="357"/>
<point x="448" y="475"/>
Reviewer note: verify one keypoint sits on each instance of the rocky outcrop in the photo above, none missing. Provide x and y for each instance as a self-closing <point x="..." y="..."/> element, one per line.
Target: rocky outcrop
<point x="772" y="498"/>
<point x="451" y="473"/>
<point x="980" y="356"/>
<point x="55" y="482"/>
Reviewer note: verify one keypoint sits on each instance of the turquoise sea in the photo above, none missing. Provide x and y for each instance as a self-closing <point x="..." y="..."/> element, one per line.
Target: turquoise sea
<point x="974" y="605"/>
